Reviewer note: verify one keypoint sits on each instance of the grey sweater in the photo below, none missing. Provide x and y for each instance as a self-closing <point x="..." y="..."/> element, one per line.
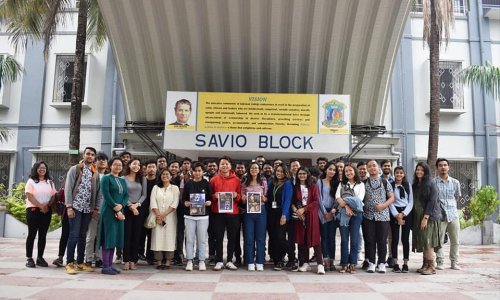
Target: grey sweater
<point x="73" y="179"/>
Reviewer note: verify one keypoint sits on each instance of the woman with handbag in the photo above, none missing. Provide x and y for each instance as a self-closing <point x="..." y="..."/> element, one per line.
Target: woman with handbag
<point x="111" y="223"/>
<point x="40" y="193"/>
<point x="136" y="188"/>
<point x="427" y="217"/>
<point x="164" y="201"/>
<point x="307" y="226"/>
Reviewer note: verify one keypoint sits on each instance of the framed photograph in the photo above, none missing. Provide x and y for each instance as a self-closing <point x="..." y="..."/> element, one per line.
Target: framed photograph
<point x="254" y="202"/>
<point x="197" y="206"/>
<point x="225" y="202"/>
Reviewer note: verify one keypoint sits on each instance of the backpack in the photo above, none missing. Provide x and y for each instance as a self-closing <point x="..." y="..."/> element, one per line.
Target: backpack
<point x="60" y="201"/>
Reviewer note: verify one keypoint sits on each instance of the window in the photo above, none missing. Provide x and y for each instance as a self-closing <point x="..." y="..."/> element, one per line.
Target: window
<point x="4" y="170"/>
<point x="58" y="166"/>
<point x="459" y="7"/>
<point x="466" y="173"/>
<point x="63" y="80"/>
<point x="451" y="90"/>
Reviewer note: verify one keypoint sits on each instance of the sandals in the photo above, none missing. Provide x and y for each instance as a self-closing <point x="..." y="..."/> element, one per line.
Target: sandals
<point x="352" y="269"/>
<point x="343" y="269"/>
<point x="126" y="266"/>
<point x="133" y="266"/>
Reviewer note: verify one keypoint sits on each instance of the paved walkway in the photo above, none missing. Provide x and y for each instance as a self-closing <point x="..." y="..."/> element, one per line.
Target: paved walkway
<point x="479" y="279"/>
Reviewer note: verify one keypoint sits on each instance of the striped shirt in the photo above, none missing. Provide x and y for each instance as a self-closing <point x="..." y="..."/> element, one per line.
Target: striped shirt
<point x="449" y="192"/>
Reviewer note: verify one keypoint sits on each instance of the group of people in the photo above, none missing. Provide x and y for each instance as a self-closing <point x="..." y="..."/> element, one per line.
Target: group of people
<point x="153" y="210"/>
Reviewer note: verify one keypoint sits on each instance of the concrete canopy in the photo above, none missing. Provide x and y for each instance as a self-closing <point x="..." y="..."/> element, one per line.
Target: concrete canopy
<point x="275" y="46"/>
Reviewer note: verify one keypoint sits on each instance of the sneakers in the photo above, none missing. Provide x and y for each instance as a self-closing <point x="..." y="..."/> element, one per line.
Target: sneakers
<point x="454" y="265"/>
<point x="381" y="268"/>
<point x="365" y="265"/>
<point x="211" y="262"/>
<point x="237" y="262"/>
<point x="41" y="262"/>
<point x="390" y="262"/>
<point x="142" y="257"/>
<point x="189" y="265"/>
<point x="231" y="266"/>
<point x="259" y="267"/>
<point x="218" y="266"/>
<point x="295" y="268"/>
<point x="290" y="264"/>
<point x="405" y="268"/>
<point x="118" y="260"/>
<point x="440" y="266"/>
<point x="371" y="268"/>
<point x="396" y="269"/>
<point x="305" y="268"/>
<point x="71" y="269"/>
<point x="30" y="263"/>
<point x="321" y="270"/>
<point x="58" y="262"/>
<point x="202" y="266"/>
<point x="98" y="263"/>
<point x="251" y="267"/>
<point x="278" y="266"/>
<point x="83" y="267"/>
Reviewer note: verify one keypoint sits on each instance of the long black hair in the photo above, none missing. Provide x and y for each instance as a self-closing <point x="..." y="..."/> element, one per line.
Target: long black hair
<point x="138" y="175"/>
<point x="34" y="172"/>
<point x="308" y="179"/>
<point x="285" y="172"/>
<point x="334" y="182"/>
<point x="425" y="185"/>
<point x="248" y="177"/>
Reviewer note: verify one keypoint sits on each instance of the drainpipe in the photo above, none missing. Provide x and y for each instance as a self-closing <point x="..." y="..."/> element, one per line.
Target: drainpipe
<point x="399" y="154"/>
<point x="485" y="108"/>
<point x="113" y="116"/>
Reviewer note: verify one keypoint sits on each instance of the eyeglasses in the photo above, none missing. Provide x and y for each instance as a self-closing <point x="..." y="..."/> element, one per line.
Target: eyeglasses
<point x="302" y="174"/>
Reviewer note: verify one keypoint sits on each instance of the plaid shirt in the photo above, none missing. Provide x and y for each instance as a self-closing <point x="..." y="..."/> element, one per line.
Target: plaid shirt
<point x="449" y="192"/>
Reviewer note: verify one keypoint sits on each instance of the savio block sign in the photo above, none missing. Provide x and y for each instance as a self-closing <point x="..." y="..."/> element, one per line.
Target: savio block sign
<point x="246" y="124"/>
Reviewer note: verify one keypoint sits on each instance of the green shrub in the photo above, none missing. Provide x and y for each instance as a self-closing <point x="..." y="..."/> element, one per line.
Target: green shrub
<point x="16" y="206"/>
<point x="483" y="204"/>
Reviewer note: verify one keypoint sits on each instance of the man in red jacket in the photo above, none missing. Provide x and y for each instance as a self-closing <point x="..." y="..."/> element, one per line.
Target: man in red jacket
<point x="225" y="184"/>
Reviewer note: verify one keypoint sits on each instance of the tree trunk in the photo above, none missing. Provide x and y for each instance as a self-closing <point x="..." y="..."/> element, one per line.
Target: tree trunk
<point x="76" y="92"/>
<point x="432" y="149"/>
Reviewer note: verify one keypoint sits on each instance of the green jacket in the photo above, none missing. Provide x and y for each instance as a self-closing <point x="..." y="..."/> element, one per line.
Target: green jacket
<point x="114" y="191"/>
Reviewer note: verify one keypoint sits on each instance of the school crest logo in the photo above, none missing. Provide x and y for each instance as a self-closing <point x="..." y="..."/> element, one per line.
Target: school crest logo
<point x="334" y="116"/>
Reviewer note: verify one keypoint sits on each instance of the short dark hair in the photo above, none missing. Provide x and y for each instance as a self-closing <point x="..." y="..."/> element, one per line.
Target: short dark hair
<point x="187" y="159"/>
<point x="161" y="156"/>
<point x="91" y="149"/>
<point x="150" y="162"/>
<point x="101" y="156"/>
<point x="385" y="161"/>
<point x="360" y="164"/>
<point x="182" y="101"/>
<point x="125" y="153"/>
<point x="198" y="165"/>
<point x="442" y="159"/>
<point x="174" y="162"/>
<point x="315" y="172"/>
<point x="321" y="158"/>
<point x="225" y="158"/>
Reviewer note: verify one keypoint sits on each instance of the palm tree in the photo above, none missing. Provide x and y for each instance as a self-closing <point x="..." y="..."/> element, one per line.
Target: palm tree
<point x="438" y="16"/>
<point x="38" y="20"/>
<point x="487" y="76"/>
<point x="10" y="69"/>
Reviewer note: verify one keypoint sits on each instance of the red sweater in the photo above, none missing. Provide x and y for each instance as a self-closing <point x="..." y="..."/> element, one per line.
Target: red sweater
<point x="230" y="183"/>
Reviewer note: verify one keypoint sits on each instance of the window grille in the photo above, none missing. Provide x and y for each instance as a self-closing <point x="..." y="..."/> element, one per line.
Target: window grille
<point x="63" y="79"/>
<point x="450" y="90"/>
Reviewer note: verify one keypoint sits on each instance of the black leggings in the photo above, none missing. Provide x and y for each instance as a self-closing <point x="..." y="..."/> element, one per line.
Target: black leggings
<point x="278" y="237"/>
<point x="405" y="235"/>
<point x="133" y="227"/>
<point x="38" y="222"/>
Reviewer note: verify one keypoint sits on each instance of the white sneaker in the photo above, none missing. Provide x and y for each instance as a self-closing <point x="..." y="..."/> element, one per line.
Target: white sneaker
<point x="381" y="268"/>
<point x="371" y="268"/>
<point x="305" y="268"/>
<point x="218" y="266"/>
<point x="260" y="267"/>
<point x="321" y="270"/>
<point x="189" y="265"/>
<point x="251" y="267"/>
<point x="201" y="266"/>
<point x="231" y="266"/>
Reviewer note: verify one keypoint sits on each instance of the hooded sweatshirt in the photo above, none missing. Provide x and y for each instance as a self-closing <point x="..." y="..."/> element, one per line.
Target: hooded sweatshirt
<point x="219" y="184"/>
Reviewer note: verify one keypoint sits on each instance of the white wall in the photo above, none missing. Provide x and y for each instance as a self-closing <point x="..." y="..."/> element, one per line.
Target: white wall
<point x="495" y="53"/>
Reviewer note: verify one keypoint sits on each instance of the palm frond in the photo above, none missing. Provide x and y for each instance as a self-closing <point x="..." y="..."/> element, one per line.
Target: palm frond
<point x="487" y="76"/>
<point x="10" y="69"/>
<point x="445" y="18"/>
<point x="96" y="29"/>
<point x="54" y="16"/>
<point x="4" y="134"/>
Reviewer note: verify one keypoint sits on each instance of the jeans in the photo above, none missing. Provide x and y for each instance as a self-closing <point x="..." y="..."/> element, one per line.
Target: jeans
<point x="63" y="241"/>
<point x="78" y="227"/>
<point x="349" y="241"/>
<point x="375" y="235"/>
<point x="91" y="253"/>
<point x="453" y="229"/>
<point x="328" y="232"/>
<point x="37" y="222"/>
<point x="255" y="235"/>
<point x="196" y="231"/>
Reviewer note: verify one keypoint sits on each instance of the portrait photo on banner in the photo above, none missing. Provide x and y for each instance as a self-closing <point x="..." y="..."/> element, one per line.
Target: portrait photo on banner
<point x="181" y="110"/>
